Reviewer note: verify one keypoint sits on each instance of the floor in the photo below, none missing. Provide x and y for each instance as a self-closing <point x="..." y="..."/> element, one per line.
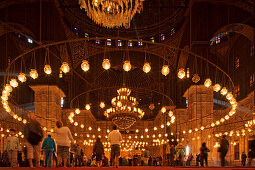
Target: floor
<point x="139" y="168"/>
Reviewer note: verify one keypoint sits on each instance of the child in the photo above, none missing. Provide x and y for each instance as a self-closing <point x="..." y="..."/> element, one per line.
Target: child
<point x="12" y="146"/>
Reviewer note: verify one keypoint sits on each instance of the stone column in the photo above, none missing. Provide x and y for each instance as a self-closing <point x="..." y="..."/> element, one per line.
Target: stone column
<point x="47" y="101"/>
<point x="200" y="104"/>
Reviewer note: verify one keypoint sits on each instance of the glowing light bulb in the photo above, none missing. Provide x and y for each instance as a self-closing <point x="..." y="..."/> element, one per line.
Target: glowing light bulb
<point x="47" y="69"/>
<point x="33" y="74"/>
<point x="229" y="96"/>
<point x="227" y="117"/>
<point x="77" y="111"/>
<point x="163" y="109"/>
<point x="106" y="64"/>
<point x="146" y="130"/>
<point x="168" y="123"/>
<point x="14" y="83"/>
<point x="102" y="105"/>
<point x="119" y="104"/>
<point x="87" y="107"/>
<point x="155" y="128"/>
<point x="4" y="97"/>
<point x="165" y="70"/>
<point x="195" y="78"/>
<point x="216" y="87"/>
<point x="146" y="67"/>
<point x="85" y="65"/>
<point x="82" y="126"/>
<point x="162" y="126"/>
<point x="15" y="116"/>
<point x="90" y="128"/>
<point x="170" y="113"/>
<point x="75" y="123"/>
<point x="181" y="73"/>
<point x="224" y="91"/>
<point x="127" y="66"/>
<point x="208" y="82"/>
<point x="217" y="122"/>
<point x="8" y="88"/>
<point x="65" y="67"/>
<point x="24" y="121"/>
<point x="22" y="77"/>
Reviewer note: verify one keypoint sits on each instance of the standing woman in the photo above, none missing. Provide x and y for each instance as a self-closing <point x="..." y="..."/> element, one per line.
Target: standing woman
<point x="33" y="134"/>
<point x="64" y="137"/>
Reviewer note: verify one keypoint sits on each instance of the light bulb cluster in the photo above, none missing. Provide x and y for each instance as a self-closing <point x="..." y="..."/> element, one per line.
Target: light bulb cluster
<point x="124" y="103"/>
<point x="5" y="96"/>
<point x="241" y="132"/>
<point x="250" y="123"/>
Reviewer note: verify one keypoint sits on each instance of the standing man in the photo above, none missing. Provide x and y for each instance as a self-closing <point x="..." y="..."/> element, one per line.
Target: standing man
<point x="115" y="139"/>
<point x="244" y="156"/>
<point x="223" y="149"/>
<point x="12" y="146"/>
<point x="49" y="147"/>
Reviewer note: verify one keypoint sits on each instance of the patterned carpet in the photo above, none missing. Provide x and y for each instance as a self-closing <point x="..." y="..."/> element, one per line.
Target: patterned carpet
<point x="137" y="168"/>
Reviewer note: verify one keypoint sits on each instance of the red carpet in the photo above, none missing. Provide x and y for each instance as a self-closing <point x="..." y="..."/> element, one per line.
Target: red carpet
<point x="136" y="168"/>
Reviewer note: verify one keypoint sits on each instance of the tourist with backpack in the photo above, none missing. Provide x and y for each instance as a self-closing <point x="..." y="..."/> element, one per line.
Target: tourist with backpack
<point x="33" y="134"/>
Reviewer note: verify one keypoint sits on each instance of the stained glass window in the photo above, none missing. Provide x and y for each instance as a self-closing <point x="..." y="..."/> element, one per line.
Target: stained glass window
<point x="76" y="31"/>
<point x="98" y="41"/>
<point x="152" y="39"/>
<point x="219" y="38"/>
<point x="130" y="43"/>
<point x="237" y="89"/>
<point x="140" y="42"/>
<point x="172" y="31"/>
<point x="237" y="62"/>
<point x="119" y="43"/>
<point x="162" y="37"/>
<point x="109" y="42"/>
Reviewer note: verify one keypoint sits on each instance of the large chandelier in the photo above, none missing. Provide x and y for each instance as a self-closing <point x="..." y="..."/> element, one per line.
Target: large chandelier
<point x="112" y="13"/>
<point x="124" y="112"/>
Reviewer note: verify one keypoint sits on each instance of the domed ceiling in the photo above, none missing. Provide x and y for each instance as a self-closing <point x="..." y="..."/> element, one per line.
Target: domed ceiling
<point x="157" y="16"/>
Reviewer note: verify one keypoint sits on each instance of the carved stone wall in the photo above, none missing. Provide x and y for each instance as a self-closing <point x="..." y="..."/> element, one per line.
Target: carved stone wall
<point x="47" y="101"/>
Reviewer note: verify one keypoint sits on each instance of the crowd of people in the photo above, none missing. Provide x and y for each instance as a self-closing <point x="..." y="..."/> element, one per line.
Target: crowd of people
<point x="65" y="153"/>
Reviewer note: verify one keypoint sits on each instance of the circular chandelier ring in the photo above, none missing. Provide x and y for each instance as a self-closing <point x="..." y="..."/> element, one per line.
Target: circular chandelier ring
<point x="115" y="38"/>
